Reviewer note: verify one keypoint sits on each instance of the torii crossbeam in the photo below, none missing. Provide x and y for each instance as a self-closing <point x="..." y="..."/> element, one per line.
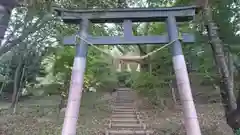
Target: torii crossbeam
<point x="126" y="16"/>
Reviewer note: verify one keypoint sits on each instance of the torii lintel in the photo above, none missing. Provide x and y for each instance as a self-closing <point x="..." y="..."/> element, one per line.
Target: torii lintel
<point x="182" y="14"/>
<point x="127" y="17"/>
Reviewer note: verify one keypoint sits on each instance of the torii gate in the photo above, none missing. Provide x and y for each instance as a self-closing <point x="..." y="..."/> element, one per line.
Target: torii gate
<point x="121" y="60"/>
<point x="169" y="15"/>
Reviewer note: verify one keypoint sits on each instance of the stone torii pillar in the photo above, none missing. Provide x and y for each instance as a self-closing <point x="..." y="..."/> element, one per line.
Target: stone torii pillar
<point x="179" y="64"/>
<point x="76" y="84"/>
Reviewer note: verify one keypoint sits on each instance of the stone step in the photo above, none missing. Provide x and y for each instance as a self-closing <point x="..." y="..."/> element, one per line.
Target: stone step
<point x="124" y="104"/>
<point x="124" y="92"/>
<point x="124" y="110"/>
<point x="128" y="132"/>
<point x="124" y="116"/>
<point x="123" y="101"/>
<point x="124" y="120"/>
<point x="124" y="98"/>
<point x="127" y="125"/>
<point x="123" y="107"/>
<point x="117" y="103"/>
<point x="124" y="89"/>
<point x="120" y="113"/>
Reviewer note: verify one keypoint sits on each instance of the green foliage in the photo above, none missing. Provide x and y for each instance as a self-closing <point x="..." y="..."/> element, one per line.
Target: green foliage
<point x="123" y="76"/>
<point x="99" y="72"/>
<point x="237" y="132"/>
<point x="152" y="87"/>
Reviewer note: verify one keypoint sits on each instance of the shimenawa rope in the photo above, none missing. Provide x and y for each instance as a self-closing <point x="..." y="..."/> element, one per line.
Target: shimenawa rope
<point x="130" y="57"/>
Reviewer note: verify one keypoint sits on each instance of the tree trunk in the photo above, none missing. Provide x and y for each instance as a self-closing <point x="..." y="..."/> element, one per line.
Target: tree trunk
<point x="61" y="105"/>
<point x="21" y="84"/>
<point x="144" y="64"/>
<point x="231" y="70"/>
<point x="226" y="88"/>
<point x="16" y="83"/>
<point x="149" y="60"/>
<point x="173" y="92"/>
<point x="143" y="51"/>
<point x="3" y="85"/>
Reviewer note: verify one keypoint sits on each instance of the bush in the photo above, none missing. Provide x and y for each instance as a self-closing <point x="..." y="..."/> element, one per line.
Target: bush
<point x="151" y="87"/>
<point x="238" y="132"/>
<point x="123" y="76"/>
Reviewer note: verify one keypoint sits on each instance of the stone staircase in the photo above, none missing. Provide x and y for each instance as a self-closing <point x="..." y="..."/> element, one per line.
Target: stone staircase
<point x="125" y="119"/>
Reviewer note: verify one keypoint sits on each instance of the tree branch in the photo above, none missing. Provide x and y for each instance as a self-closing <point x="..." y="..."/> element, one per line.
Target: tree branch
<point x="36" y="26"/>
